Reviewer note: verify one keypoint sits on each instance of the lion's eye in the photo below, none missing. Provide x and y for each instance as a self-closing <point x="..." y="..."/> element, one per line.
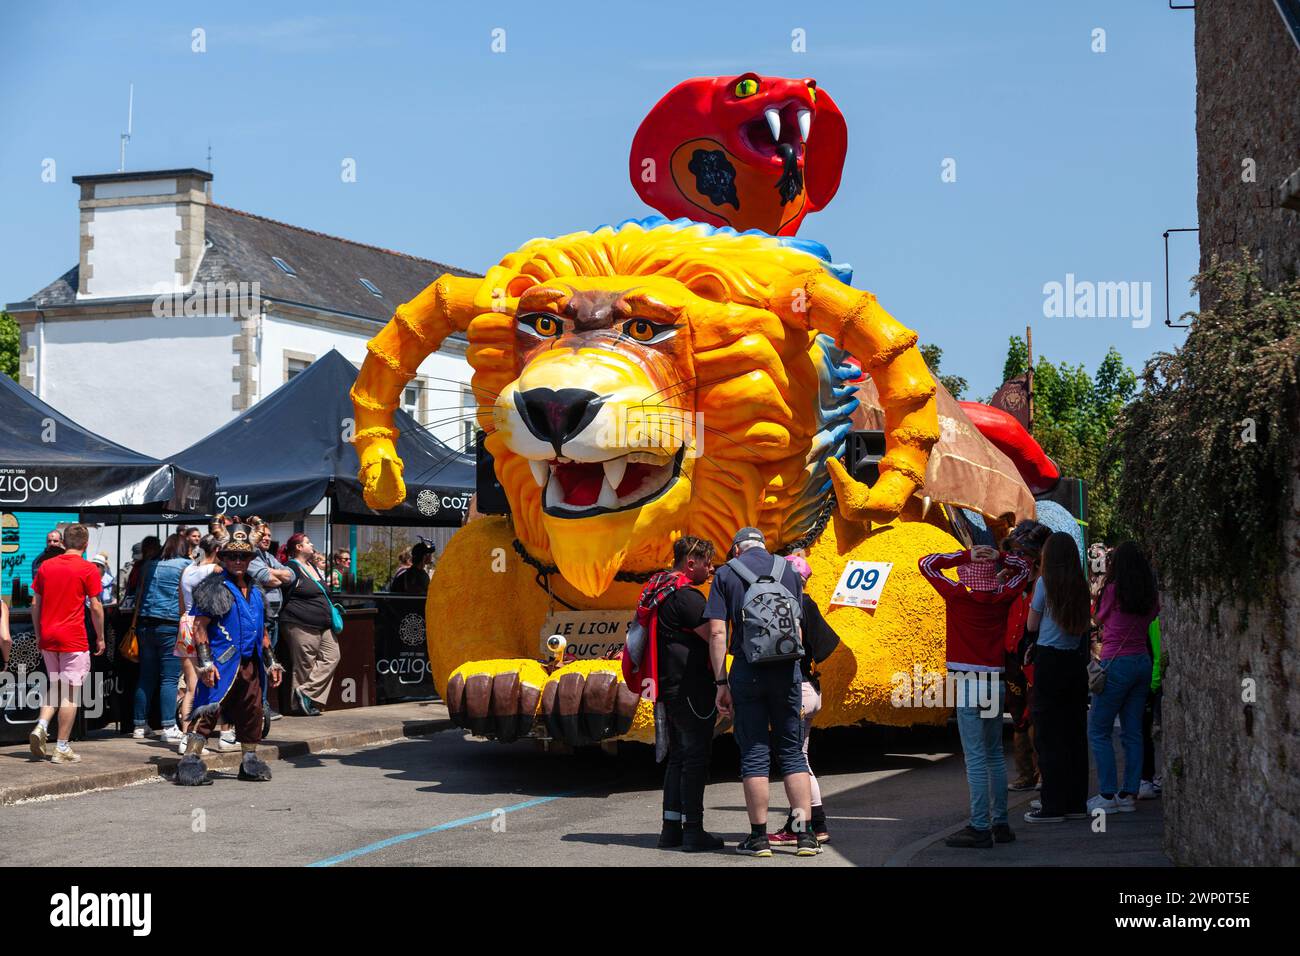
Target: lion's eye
<point x="643" y="330"/>
<point x="539" y="323"/>
<point x="747" y="87"/>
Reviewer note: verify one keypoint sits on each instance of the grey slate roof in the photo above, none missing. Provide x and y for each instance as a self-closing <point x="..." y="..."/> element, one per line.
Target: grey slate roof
<point x="329" y="269"/>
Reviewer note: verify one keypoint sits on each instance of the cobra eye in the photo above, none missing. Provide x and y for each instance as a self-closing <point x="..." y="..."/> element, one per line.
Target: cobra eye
<point x="747" y="87"/>
<point x="812" y="93"/>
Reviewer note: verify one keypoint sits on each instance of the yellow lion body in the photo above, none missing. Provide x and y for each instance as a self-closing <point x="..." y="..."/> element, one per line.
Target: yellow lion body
<point x="731" y="400"/>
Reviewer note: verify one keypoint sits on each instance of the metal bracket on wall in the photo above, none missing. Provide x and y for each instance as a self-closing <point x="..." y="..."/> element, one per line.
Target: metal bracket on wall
<point x="1173" y="325"/>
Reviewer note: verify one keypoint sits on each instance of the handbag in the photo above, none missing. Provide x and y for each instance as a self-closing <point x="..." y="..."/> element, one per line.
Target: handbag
<point x="128" y="648"/>
<point x="336" y="612"/>
<point x="1097" y="674"/>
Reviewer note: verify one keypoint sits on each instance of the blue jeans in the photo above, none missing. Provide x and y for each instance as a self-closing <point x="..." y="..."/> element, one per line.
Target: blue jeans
<point x="1128" y="680"/>
<point x="158" y="666"/>
<point x="768" y="703"/>
<point x="981" y="744"/>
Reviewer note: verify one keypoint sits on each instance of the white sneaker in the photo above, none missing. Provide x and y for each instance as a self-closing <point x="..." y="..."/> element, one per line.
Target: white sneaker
<point x="64" y="755"/>
<point x="173" y="734"/>
<point x="1125" y="804"/>
<point x="226" y="743"/>
<point x="37" y="740"/>
<point x="1101" y="803"/>
<point x="1147" y="791"/>
<point x="142" y="733"/>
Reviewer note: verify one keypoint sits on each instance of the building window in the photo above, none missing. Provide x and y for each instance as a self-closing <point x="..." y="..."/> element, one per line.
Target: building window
<point x="295" y="363"/>
<point x="284" y="266"/>
<point x="372" y="288"/>
<point x="411" y="400"/>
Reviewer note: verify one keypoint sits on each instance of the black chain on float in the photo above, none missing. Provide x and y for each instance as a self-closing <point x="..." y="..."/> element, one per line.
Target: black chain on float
<point x="544" y="571"/>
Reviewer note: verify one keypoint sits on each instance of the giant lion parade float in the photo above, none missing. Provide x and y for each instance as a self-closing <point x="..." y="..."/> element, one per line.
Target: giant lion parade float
<point x="691" y="375"/>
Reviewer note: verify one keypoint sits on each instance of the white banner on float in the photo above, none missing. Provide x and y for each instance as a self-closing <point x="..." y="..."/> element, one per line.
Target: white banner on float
<point x="861" y="584"/>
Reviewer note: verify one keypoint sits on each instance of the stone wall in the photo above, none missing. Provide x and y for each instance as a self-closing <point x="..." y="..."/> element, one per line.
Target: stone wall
<point x="1230" y="748"/>
<point x="1247" y="75"/>
<point x="1231" y="757"/>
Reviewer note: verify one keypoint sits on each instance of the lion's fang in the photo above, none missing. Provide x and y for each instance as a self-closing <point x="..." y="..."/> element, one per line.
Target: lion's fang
<point x="615" y="468"/>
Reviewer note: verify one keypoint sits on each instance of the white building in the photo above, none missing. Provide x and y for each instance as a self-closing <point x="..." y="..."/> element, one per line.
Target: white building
<point x="180" y="313"/>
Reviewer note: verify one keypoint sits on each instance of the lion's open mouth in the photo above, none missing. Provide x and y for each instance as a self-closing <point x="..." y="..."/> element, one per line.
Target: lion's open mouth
<point x="580" y="489"/>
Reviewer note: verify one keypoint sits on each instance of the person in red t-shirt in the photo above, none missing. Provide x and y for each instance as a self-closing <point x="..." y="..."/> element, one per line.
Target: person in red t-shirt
<point x="61" y="591"/>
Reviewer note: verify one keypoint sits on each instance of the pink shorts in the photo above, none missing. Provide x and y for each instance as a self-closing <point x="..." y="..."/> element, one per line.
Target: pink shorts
<point x="70" y="668"/>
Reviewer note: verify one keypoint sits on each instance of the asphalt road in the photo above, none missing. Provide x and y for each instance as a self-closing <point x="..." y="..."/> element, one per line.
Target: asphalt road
<point x="452" y="800"/>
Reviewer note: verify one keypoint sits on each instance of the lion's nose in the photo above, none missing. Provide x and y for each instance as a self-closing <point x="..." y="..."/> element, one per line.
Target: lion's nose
<point x="556" y="416"/>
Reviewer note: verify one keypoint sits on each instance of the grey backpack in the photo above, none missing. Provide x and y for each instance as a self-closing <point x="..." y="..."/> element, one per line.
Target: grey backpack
<point x="769" y="615"/>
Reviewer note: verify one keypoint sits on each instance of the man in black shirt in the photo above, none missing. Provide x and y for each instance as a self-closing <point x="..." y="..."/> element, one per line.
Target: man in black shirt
<point x="686" y="689"/>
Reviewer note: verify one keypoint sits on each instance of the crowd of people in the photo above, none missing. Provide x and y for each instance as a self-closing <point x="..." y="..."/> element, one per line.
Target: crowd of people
<point x="1070" y="657"/>
<point x="168" y="635"/>
<point x="1027" y="633"/>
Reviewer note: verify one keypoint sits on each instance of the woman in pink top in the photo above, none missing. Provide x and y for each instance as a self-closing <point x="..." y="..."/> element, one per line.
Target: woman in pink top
<point x="1127" y="606"/>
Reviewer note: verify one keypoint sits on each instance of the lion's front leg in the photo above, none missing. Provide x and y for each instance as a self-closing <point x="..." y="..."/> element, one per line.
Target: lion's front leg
<point x="484" y="620"/>
<point x="816" y="301"/>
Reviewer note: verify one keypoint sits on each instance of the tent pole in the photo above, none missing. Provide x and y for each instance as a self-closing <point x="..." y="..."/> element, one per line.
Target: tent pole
<point x="117" y="561"/>
<point x="329" y="542"/>
<point x="352" y="547"/>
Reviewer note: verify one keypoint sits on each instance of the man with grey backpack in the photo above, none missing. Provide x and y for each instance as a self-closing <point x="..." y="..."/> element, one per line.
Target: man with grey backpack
<point x="757" y="596"/>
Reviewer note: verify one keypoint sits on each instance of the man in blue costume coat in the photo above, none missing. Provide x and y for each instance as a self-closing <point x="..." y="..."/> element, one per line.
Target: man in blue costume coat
<point x="234" y="661"/>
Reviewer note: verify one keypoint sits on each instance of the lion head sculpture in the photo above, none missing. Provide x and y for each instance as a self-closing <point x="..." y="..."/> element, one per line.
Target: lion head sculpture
<point x="641" y="389"/>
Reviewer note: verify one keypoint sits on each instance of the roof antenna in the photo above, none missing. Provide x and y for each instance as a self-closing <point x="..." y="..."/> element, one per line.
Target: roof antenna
<point x="126" y="137"/>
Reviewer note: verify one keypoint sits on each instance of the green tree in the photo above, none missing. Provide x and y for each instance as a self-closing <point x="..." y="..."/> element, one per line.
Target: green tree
<point x="933" y="356"/>
<point x="1017" y="358"/>
<point x="9" y="345"/>
<point x="1074" y="416"/>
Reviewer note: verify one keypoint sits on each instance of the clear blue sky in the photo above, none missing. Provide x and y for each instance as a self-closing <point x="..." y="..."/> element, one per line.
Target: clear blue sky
<point x="1068" y="161"/>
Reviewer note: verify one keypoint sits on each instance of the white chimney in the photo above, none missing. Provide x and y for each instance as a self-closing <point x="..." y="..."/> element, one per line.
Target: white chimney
<point x="141" y="232"/>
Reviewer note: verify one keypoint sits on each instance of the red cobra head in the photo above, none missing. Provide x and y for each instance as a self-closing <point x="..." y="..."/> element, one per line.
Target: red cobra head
<point x="750" y="151"/>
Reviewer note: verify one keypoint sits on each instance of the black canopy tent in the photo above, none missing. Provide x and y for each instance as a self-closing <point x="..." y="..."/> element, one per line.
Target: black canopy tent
<point x="281" y="457"/>
<point x="50" y="463"/>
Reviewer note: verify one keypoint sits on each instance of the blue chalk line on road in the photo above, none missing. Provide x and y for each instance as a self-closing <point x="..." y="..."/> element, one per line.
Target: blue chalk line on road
<point x="463" y="821"/>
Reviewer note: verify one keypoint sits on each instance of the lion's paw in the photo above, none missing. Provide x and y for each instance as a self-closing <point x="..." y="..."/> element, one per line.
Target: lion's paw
<point x="581" y="703"/>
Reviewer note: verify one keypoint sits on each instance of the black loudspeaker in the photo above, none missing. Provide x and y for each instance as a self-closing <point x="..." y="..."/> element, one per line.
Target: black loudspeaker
<point x="491" y="497"/>
<point x="1072" y="495"/>
<point x="862" y="454"/>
